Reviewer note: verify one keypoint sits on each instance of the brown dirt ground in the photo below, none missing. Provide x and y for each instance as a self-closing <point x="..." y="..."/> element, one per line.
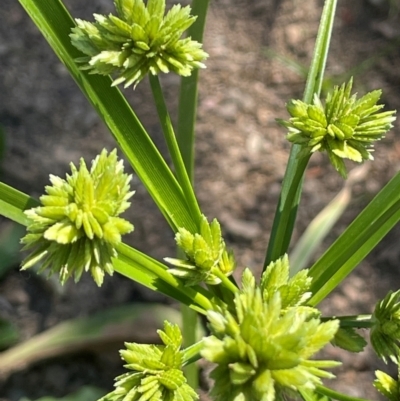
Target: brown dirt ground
<point x="241" y="157"/>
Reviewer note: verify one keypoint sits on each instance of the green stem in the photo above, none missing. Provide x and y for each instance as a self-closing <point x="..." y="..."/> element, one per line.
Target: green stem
<point x="285" y="215"/>
<point x="192" y="353"/>
<point x="189" y="332"/>
<point x="225" y="281"/>
<point x="336" y="395"/>
<point x="356" y="321"/>
<point x="187" y="111"/>
<point x="315" y="76"/>
<point x="188" y="93"/>
<point x="180" y="169"/>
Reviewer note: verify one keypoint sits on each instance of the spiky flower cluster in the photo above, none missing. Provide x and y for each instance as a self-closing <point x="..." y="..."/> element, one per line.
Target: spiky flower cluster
<point x="388" y="386"/>
<point x="76" y="229"/>
<point x="385" y="333"/>
<point x="345" y="127"/>
<point x="157" y="370"/>
<point x="137" y="41"/>
<point x="206" y="252"/>
<point x="262" y="349"/>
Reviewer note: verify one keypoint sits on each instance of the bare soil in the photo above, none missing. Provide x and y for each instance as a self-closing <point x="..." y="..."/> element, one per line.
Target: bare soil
<point x="241" y="156"/>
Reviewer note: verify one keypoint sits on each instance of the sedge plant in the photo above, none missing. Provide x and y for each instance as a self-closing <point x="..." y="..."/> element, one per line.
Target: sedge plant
<point x="263" y="332"/>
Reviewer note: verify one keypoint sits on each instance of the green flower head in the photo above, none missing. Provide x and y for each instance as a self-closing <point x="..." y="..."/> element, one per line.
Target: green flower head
<point x="345" y="127"/>
<point x="137" y="41"/>
<point x="262" y="349"/>
<point x="77" y="227"/>
<point x="156" y="371"/>
<point x="385" y="334"/>
<point x="387" y="386"/>
<point x="207" y="256"/>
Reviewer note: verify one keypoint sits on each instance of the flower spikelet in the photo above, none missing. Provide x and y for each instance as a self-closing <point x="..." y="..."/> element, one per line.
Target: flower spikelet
<point x="138" y="40"/>
<point x="385" y="333"/>
<point x="387" y="386"/>
<point x="77" y="227"/>
<point x="205" y="251"/>
<point x="156" y="371"/>
<point x="262" y="350"/>
<point x="345" y="127"/>
<point x="294" y="291"/>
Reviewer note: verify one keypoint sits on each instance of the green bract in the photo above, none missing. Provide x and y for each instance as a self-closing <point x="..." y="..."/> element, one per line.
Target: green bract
<point x="77" y="227"/>
<point x="348" y="339"/>
<point x="345" y="127"/>
<point x="206" y="253"/>
<point x="385" y="334"/>
<point x="137" y="41"/>
<point x="157" y="370"/>
<point x="262" y="349"/>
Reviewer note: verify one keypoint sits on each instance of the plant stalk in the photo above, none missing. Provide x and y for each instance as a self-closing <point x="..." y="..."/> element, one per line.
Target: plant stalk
<point x="289" y="200"/>
<point x="336" y="395"/>
<point x="187" y="112"/>
<point x="169" y="135"/>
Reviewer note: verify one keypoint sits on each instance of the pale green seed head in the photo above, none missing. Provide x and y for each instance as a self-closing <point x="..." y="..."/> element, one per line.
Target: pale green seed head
<point x="344" y="127"/>
<point x="139" y="40"/>
<point x="262" y="349"/>
<point x="387" y="386"/>
<point x="205" y="252"/>
<point x="385" y="333"/>
<point x="155" y="371"/>
<point x="77" y="227"/>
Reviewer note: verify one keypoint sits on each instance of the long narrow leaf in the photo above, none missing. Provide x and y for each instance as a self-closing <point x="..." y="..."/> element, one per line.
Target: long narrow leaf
<point x="55" y="23"/>
<point x="13" y="203"/>
<point x="286" y="212"/>
<point x="317" y="230"/>
<point x="135" y="322"/>
<point x="85" y="393"/>
<point x="9" y="334"/>
<point x="142" y="276"/>
<point x="357" y="241"/>
<point x="322" y="224"/>
<point x="161" y="280"/>
<point x="10" y="246"/>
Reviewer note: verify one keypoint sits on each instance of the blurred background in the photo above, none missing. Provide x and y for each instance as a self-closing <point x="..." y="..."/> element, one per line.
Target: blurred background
<point x="259" y="55"/>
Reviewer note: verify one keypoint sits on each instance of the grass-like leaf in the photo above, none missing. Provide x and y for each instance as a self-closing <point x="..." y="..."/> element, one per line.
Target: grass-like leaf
<point x="322" y="224"/>
<point x="10" y="246"/>
<point x="154" y="275"/>
<point x="13" y="203"/>
<point x="108" y="327"/>
<point x="357" y="241"/>
<point x="85" y="393"/>
<point x="8" y="333"/>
